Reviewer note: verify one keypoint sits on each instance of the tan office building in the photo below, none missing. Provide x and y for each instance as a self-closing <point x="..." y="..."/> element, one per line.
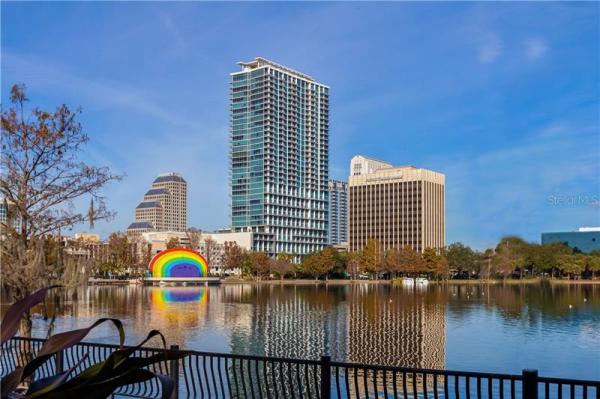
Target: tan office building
<point x="164" y="207"/>
<point x="397" y="206"/>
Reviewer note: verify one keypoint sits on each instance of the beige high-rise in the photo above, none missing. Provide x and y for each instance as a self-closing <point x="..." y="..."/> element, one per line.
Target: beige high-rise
<point x="164" y="207"/>
<point x="397" y="206"/>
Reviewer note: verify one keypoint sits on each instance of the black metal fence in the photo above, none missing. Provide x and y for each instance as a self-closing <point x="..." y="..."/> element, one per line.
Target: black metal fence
<point x="219" y="375"/>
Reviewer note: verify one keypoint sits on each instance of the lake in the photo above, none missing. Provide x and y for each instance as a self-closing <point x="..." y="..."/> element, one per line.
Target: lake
<point x="494" y="328"/>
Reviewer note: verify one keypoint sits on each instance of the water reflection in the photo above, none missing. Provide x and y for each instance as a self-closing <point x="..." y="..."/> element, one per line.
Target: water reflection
<point x="162" y="298"/>
<point x="358" y="323"/>
<point x="555" y="328"/>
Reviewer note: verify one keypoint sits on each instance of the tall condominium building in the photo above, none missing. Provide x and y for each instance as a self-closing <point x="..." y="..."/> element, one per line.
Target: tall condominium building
<point x="338" y="212"/>
<point x="397" y="206"/>
<point x="164" y="207"/>
<point x="279" y="157"/>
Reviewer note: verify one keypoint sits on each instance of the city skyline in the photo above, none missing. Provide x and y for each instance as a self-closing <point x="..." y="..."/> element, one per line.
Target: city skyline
<point x="508" y="116"/>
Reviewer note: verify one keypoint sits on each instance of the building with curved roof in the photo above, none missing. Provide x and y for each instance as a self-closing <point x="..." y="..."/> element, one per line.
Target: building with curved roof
<point x="164" y="207"/>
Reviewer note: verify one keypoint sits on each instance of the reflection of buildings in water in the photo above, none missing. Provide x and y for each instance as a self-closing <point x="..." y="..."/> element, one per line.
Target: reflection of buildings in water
<point x="399" y="328"/>
<point x="300" y="329"/>
<point x="105" y="301"/>
<point x="233" y="314"/>
<point x="176" y="310"/>
<point x="362" y="323"/>
<point x="289" y="322"/>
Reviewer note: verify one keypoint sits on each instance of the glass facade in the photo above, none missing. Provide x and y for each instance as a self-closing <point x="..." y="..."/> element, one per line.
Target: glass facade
<point x="338" y="212"/>
<point x="581" y="241"/>
<point x="279" y="151"/>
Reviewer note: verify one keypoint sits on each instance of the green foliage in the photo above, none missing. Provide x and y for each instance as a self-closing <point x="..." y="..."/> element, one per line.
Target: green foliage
<point x="593" y="263"/>
<point x="340" y="259"/>
<point x="100" y="380"/>
<point x="121" y="255"/>
<point x="544" y="258"/>
<point x="572" y="263"/>
<point x="462" y="258"/>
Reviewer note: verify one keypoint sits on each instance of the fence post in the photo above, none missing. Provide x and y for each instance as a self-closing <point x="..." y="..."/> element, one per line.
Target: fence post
<point x="325" y="377"/>
<point x="530" y="384"/>
<point x="59" y="361"/>
<point x="174" y="373"/>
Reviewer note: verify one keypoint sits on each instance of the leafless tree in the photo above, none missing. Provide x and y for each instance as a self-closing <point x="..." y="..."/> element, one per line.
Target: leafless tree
<point x="210" y="249"/>
<point x="233" y="256"/>
<point x="281" y="266"/>
<point x="42" y="174"/>
<point x="194" y="235"/>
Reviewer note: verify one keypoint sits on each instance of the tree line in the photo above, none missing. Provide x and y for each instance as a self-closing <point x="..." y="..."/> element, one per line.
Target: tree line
<point x="331" y="263"/>
<point x="512" y="257"/>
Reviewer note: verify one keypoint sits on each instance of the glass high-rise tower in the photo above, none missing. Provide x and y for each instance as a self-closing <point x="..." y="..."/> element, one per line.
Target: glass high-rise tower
<point x="279" y="157"/>
<point x="338" y="212"/>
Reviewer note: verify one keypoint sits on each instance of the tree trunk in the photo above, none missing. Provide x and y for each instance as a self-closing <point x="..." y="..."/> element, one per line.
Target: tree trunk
<point x="26" y="325"/>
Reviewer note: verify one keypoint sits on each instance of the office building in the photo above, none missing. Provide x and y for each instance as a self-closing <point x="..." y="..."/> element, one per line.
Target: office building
<point x="397" y="206"/>
<point x="585" y="239"/>
<point x="338" y="212"/>
<point x="279" y="157"/>
<point x="164" y="207"/>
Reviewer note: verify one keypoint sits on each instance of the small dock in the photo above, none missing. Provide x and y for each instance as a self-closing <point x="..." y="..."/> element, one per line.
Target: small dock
<point x="111" y="281"/>
<point x="176" y="281"/>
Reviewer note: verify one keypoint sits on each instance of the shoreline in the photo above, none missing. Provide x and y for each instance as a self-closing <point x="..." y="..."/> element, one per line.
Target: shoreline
<point x="296" y="282"/>
<point x="392" y="282"/>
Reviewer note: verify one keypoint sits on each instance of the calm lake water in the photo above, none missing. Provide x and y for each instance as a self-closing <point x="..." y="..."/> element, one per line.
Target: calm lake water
<point x="554" y="328"/>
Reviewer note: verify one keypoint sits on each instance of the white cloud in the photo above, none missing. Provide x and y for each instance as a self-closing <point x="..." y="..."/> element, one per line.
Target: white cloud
<point x="490" y="49"/>
<point x="535" y="48"/>
<point x="172" y="28"/>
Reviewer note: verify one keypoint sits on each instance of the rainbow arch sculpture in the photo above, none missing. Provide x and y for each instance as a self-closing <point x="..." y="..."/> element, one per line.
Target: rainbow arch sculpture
<point x="178" y="262"/>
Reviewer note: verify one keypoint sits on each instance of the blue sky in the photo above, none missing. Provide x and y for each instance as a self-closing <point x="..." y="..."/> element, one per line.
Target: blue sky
<point x="501" y="97"/>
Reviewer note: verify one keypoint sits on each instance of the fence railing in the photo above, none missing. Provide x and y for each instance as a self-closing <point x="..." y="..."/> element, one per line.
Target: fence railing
<point x="220" y="375"/>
